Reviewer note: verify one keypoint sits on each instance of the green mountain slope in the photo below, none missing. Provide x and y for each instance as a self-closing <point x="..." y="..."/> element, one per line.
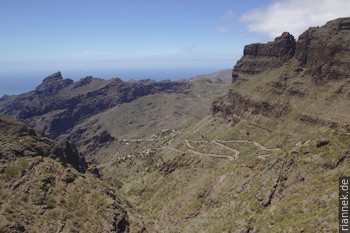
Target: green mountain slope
<point x="44" y="189"/>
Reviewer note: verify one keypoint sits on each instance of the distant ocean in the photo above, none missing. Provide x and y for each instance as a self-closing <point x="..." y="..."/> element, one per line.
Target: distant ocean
<point x="19" y="82"/>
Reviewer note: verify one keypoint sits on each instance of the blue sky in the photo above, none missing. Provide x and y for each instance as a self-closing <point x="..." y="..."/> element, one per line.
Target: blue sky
<point x="42" y="36"/>
<point x="79" y="34"/>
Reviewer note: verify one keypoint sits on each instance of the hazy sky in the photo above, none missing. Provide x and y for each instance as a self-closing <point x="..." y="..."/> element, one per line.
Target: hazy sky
<point x="46" y="35"/>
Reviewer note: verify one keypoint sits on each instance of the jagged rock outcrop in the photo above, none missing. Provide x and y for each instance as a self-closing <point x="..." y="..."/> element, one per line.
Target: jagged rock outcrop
<point x="52" y="85"/>
<point x="260" y="57"/>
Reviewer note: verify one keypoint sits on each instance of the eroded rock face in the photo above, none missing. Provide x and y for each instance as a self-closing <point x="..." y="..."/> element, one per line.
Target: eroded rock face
<point x="259" y="57"/>
<point x="235" y="104"/>
<point x="325" y="51"/>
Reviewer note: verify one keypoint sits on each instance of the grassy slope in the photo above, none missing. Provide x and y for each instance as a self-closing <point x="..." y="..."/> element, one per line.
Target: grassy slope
<point x="293" y="189"/>
<point x="205" y="194"/>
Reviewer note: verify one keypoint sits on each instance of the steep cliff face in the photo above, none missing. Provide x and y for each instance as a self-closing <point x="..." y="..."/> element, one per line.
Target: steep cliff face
<point x="300" y="85"/>
<point x="325" y="51"/>
<point x="258" y="58"/>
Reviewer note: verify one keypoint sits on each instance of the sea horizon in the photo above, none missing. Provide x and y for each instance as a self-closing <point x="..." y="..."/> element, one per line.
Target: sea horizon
<point x="15" y="83"/>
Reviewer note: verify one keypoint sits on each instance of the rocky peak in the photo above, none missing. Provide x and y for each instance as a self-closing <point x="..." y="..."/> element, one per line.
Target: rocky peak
<point x="53" y="77"/>
<point x="84" y="81"/>
<point x="52" y="84"/>
<point x="87" y="80"/>
<point x="261" y="57"/>
<point x="283" y="47"/>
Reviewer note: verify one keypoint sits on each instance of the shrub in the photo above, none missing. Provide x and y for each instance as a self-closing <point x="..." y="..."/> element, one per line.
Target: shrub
<point x="14" y="168"/>
<point x="51" y="202"/>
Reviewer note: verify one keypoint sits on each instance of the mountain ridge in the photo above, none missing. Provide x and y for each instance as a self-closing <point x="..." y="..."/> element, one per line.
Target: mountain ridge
<point x="71" y="102"/>
<point x="65" y="107"/>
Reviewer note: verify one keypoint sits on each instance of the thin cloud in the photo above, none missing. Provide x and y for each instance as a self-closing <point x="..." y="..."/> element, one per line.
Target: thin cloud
<point x="222" y="29"/>
<point x="95" y="53"/>
<point x="294" y="16"/>
<point x="189" y="48"/>
<point x="228" y="15"/>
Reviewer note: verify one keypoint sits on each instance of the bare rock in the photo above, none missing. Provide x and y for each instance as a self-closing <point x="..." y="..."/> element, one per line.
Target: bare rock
<point x="321" y="143"/>
<point x="52" y="85"/>
<point x="324" y="51"/>
<point x="260" y="57"/>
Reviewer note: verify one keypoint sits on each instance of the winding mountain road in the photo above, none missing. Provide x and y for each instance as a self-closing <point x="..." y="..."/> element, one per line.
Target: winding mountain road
<point x="235" y="156"/>
<point x="211" y="155"/>
<point x="253" y="142"/>
<point x="220" y="143"/>
<point x="173" y="149"/>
